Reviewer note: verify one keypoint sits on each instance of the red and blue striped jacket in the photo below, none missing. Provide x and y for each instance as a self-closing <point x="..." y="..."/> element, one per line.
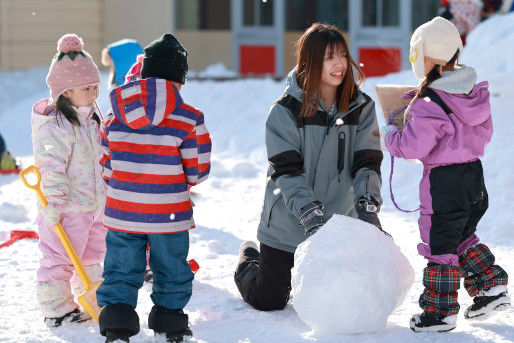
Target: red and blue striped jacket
<point x="155" y="148"/>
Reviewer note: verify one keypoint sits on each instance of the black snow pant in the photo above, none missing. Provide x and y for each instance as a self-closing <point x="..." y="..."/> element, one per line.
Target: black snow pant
<point x="264" y="280"/>
<point x="459" y="200"/>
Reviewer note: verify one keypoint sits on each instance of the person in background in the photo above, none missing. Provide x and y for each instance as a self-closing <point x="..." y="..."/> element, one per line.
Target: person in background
<point x="134" y="72"/>
<point x="490" y="7"/>
<point x="444" y="10"/>
<point x="120" y="56"/>
<point x="7" y="161"/>
<point x="465" y="15"/>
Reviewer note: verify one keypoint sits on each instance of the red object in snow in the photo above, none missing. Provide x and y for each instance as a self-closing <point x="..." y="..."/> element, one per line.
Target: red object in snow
<point x="10" y="171"/>
<point x="194" y="265"/>
<point x="17" y="235"/>
<point x="380" y="61"/>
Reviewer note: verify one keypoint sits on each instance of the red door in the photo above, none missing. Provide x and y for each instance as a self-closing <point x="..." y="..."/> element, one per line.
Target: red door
<point x="381" y="61"/>
<point x="257" y="60"/>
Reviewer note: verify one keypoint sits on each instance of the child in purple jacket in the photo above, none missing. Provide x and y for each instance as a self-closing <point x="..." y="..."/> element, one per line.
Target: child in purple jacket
<point x="451" y="125"/>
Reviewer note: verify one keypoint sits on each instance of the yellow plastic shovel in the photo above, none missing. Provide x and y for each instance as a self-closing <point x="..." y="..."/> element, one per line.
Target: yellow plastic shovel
<point x="88" y="298"/>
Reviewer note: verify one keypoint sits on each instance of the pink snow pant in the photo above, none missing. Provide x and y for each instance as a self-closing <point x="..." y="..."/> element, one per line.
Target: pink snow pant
<point x="87" y="235"/>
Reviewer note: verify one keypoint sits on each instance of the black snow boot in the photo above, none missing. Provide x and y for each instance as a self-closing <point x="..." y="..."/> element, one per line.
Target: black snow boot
<point x="75" y="316"/>
<point x="169" y="325"/>
<point x="118" y="322"/>
<point x="117" y="335"/>
<point x="488" y="302"/>
<point x="432" y="322"/>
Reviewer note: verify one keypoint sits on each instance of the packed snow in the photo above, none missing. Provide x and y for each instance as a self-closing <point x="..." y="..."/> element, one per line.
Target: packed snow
<point x="349" y="277"/>
<point x="228" y="207"/>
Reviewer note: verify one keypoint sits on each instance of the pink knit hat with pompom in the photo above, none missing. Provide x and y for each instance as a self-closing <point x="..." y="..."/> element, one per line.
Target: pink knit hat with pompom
<point x="72" y="67"/>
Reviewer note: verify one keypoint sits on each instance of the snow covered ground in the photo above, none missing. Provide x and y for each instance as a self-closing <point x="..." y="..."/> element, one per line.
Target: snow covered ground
<point x="229" y="203"/>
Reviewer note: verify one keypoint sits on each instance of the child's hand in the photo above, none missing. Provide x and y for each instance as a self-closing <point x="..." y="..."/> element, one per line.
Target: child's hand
<point x="383" y="131"/>
<point x="389" y="128"/>
<point x="51" y="214"/>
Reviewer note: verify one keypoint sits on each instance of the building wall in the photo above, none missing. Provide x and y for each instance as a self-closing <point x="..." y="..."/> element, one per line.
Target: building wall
<point x="290" y="39"/>
<point x="140" y="20"/>
<point x="29" y="29"/>
<point x="207" y="47"/>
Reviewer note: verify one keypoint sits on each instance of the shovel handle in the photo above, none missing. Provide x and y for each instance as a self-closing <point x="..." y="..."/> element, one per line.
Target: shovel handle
<point x="60" y="230"/>
<point x="37" y="186"/>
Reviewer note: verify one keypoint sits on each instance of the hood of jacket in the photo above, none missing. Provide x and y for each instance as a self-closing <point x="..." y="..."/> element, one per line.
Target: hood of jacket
<point x="145" y="103"/>
<point x="468" y="100"/>
<point x="472" y="109"/>
<point x="292" y="86"/>
<point x="43" y="112"/>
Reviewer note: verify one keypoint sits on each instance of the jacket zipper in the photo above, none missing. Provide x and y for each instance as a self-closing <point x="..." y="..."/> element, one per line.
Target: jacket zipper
<point x="340" y="155"/>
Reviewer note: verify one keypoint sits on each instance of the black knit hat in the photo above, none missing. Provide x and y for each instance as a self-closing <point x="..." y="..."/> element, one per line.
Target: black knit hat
<point x="166" y="59"/>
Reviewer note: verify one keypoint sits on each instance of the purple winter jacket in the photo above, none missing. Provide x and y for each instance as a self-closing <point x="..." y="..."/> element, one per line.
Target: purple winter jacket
<point x="436" y="138"/>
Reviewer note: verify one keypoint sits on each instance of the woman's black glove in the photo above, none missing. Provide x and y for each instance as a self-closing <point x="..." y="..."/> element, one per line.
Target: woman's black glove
<point x="312" y="217"/>
<point x="367" y="210"/>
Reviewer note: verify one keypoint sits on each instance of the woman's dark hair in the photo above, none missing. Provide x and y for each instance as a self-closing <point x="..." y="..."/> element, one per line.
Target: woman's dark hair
<point x="434" y="74"/>
<point x="310" y="55"/>
<point x="65" y="108"/>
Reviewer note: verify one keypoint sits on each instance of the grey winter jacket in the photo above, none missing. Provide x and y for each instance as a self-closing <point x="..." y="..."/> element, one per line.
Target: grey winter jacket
<point x="334" y="160"/>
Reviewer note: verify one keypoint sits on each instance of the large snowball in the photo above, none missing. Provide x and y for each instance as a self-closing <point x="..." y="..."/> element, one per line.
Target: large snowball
<point x="349" y="277"/>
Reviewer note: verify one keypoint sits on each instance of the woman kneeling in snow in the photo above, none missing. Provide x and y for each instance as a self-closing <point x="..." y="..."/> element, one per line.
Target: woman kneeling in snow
<point x="324" y="155"/>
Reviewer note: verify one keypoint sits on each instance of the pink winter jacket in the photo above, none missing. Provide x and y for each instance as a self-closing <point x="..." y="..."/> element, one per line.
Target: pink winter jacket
<point x="67" y="157"/>
<point x="436" y="138"/>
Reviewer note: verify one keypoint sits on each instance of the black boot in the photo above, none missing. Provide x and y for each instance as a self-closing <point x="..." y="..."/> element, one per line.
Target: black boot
<point x="488" y="302"/>
<point x="177" y="337"/>
<point x="118" y="322"/>
<point x="117" y="335"/>
<point x="168" y="324"/>
<point x="432" y="322"/>
<point x="75" y="316"/>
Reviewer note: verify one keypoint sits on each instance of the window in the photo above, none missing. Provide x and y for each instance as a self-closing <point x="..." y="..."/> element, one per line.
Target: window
<point x="300" y="14"/>
<point x="257" y="13"/>
<point x="203" y="14"/>
<point x="423" y="11"/>
<point x="381" y="13"/>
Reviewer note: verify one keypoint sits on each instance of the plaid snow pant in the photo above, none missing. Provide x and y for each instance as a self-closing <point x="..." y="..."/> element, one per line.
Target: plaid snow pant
<point x="476" y="266"/>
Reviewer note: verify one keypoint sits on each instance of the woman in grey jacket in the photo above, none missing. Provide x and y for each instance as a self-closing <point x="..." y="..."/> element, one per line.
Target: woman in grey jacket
<point x="324" y="154"/>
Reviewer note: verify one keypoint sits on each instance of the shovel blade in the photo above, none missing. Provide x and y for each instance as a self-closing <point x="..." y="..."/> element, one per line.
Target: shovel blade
<point x="88" y="301"/>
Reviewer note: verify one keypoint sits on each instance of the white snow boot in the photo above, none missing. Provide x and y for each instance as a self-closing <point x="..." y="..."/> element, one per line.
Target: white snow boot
<point x="488" y="302"/>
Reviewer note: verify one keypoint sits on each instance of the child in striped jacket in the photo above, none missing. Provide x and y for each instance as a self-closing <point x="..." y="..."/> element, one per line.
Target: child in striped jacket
<point x="155" y="148"/>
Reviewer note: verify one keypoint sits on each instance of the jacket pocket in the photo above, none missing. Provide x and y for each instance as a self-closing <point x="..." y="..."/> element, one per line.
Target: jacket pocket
<point x="340" y="154"/>
<point x="273" y="203"/>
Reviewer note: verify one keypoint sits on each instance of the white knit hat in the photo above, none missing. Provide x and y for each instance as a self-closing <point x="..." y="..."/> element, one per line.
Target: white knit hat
<point x="438" y="40"/>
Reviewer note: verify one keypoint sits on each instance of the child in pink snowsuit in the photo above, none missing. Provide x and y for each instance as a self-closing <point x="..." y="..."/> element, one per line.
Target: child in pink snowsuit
<point x="451" y="125"/>
<point x="66" y="143"/>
